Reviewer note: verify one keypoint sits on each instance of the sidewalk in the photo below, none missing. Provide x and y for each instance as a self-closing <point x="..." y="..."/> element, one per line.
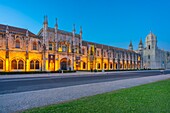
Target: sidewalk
<point x="65" y="74"/>
<point x="26" y="100"/>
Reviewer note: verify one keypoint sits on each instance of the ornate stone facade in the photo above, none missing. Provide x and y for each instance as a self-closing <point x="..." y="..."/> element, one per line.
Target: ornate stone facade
<point x="53" y="49"/>
<point x="153" y="57"/>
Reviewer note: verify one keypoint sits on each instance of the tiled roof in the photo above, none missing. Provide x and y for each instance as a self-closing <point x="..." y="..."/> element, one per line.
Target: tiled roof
<point x="16" y="30"/>
<point x="85" y="43"/>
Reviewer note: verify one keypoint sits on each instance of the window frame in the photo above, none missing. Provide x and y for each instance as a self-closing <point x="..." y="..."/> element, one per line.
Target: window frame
<point x="31" y="64"/>
<point x="37" y="65"/>
<point x="20" y="64"/>
<point x="17" y="43"/>
<point x="34" y="46"/>
<point x="14" y="64"/>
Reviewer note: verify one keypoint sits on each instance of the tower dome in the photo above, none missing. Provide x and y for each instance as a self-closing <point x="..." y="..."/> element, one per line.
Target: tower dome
<point x="151" y="41"/>
<point x="151" y="37"/>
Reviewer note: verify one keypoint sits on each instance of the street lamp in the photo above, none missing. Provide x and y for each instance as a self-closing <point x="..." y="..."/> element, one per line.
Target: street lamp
<point x="44" y="59"/>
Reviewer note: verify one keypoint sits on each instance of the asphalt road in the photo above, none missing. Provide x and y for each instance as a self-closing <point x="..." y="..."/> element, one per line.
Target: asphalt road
<point x="14" y="85"/>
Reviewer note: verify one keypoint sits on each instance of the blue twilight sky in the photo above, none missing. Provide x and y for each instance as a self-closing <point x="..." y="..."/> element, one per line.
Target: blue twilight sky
<point x="112" y="22"/>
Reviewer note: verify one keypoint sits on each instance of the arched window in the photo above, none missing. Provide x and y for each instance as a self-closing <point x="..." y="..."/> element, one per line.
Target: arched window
<point x="105" y="66"/>
<point x="149" y="56"/>
<point x="1" y="64"/>
<point x="17" y="44"/>
<point x="34" y="46"/>
<point x="98" y="66"/>
<point x="14" y="64"/>
<point x="84" y="65"/>
<point x="32" y="64"/>
<point x="20" y="64"/>
<point x="111" y="66"/>
<point x="37" y="65"/>
<point x="149" y="47"/>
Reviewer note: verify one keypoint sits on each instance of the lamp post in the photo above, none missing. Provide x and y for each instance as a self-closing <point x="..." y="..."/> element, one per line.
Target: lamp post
<point x="73" y="57"/>
<point x="44" y="59"/>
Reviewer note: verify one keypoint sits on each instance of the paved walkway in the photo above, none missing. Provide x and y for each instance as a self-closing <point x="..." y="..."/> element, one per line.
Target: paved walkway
<point x="65" y="74"/>
<point x="26" y="100"/>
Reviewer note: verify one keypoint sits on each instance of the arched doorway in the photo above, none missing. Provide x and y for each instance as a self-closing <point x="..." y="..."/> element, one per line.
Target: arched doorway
<point x="65" y="64"/>
<point x="1" y="64"/>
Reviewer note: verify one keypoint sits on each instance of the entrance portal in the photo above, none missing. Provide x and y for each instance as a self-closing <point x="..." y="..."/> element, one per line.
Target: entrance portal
<point x="51" y="60"/>
<point x="64" y="64"/>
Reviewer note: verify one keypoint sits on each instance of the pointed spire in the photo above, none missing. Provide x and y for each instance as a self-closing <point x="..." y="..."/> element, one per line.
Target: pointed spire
<point x="130" y="43"/>
<point x="151" y="32"/>
<point x="74" y="28"/>
<point x="45" y="20"/>
<point x="81" y="31"/>
<point x="56" y="24"/>
<point x="141" y="43"/>
<point x="130" y="46"/>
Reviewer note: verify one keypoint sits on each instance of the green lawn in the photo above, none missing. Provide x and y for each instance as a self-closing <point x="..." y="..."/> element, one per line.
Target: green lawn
<point x="149" y="98"/>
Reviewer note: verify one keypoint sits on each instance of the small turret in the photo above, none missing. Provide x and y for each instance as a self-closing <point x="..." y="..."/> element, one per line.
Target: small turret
<point x="45" y="24"/>
<point x="74" y="28"/>
<point x="140" y="47"/>
<point x="45" y="28"/>
<point x="130" y="46"/>
<point x="81" y="31"/>
<point x="45" y="20"/>
<point x="56" y="24"/>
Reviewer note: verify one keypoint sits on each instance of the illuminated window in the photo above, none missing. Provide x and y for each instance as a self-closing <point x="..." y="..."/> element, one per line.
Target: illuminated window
<point x="14" y="64"/>
<point x="20" y="64"/>
<point x="17" y="44"/>
<point x="34" y="46"/>
<point x="1" y="64"/>
<point x="32" y="64"/>
<point x="37" y="65"/>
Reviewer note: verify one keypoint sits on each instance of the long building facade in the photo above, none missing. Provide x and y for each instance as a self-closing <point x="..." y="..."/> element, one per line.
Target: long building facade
<point x="53" y="49"/>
